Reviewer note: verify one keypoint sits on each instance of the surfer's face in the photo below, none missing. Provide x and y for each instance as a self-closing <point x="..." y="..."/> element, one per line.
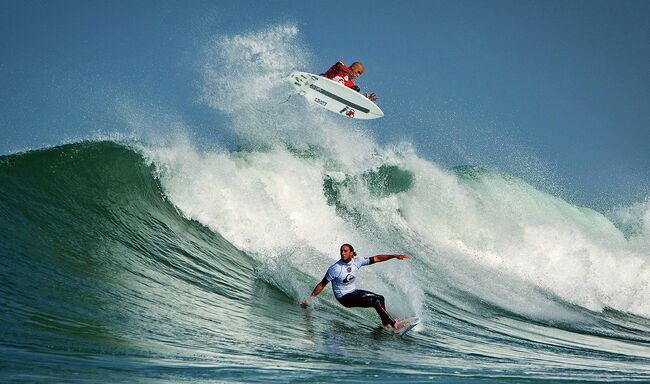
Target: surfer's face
<point x="355" y="71"/>
<point x="346" y="253"/>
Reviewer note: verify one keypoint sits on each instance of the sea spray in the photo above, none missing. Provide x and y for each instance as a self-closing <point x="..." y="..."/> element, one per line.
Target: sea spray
<point x="295" y="199"/>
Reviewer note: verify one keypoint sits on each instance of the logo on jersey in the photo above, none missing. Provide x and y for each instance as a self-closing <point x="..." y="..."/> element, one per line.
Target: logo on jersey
<point x="348" y="278"/>
<point x="349" y="269"/>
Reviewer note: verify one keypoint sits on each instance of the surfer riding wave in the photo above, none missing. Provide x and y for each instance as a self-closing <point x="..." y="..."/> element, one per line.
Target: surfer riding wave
<point x="343" y="275"/>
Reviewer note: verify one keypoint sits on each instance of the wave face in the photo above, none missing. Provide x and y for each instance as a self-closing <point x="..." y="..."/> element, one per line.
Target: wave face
<point x="128" y="261"/>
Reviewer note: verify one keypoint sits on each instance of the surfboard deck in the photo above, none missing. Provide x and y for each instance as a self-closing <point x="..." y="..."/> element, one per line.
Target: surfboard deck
<point x="412" y="322"/>
<point x="335" y="97"/>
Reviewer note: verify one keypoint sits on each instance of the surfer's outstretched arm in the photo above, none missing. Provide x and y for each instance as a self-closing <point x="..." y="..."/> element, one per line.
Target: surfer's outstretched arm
<point x="317" y="289"/>
<point x="380" y="258"/>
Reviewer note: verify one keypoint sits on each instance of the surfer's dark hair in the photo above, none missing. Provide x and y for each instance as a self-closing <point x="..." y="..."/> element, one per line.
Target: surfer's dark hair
<point x="351" y="248"/>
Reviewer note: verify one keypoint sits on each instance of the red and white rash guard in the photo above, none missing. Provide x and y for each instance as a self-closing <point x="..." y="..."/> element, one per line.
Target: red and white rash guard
<point x="337" y="72"/>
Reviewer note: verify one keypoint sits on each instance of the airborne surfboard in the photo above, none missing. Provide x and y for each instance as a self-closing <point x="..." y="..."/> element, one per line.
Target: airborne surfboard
<point x="335" y="97"/>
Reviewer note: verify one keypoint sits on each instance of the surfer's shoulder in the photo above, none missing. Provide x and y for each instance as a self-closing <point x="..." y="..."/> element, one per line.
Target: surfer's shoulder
<point x="335" y="265"/>
<point x="361" y="261"/>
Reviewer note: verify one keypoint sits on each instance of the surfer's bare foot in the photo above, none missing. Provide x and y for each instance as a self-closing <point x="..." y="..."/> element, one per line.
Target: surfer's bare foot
<point x="391" y="326"/>
<point x="396" y="326"/>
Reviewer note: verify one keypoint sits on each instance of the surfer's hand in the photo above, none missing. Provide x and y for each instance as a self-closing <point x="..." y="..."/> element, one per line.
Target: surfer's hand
<point x="402" y="257"/>
<point x="371" y="96"/>
<point x="305" y="302"/>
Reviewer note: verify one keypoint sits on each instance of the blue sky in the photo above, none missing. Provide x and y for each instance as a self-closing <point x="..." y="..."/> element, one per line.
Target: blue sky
<point x="555" y="92"/>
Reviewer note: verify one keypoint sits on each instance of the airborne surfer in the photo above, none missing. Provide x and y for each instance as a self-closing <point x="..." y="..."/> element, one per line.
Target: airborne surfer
<point x="343" y="274"/>
<point x="345" y="75"/>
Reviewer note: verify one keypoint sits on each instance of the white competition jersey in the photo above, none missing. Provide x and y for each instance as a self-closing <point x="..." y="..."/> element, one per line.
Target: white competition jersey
<point x="342" y="275"/>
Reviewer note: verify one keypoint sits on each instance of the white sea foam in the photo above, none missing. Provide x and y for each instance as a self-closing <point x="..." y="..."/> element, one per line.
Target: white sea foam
<point x="492" y="236"/>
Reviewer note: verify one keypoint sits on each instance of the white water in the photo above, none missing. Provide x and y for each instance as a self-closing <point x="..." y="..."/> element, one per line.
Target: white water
<point x="495" y="238"/>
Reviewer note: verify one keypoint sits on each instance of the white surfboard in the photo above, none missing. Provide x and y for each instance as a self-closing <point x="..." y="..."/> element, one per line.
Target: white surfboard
<point x="334" y="96"/>
<point x="411" y="323"/>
